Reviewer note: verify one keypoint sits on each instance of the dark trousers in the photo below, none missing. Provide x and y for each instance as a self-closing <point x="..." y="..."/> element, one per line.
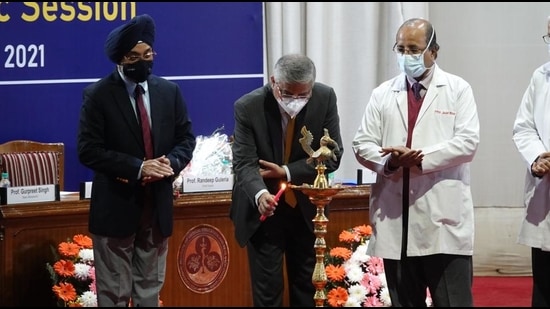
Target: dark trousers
<point x="284" y="236"/>
<point x="540" y="261"/>
<point x="448" y="277"/>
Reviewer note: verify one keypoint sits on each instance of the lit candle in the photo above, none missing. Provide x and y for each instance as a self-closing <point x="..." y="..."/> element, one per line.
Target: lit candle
<point x="277" y="196"/>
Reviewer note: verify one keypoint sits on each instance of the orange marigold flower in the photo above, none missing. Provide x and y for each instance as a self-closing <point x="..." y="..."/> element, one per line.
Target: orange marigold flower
<point x="64" y="268"/>
<point x="65" y="291"/>
<point x="337" y="297"/>
<point x="340" y="252"/>
<point x="83" y="241"/>
<point x="335" y="273"/>
<point x="347" y="236"/>
<point x="363" y="230"/>
<point x="68" y="249"/>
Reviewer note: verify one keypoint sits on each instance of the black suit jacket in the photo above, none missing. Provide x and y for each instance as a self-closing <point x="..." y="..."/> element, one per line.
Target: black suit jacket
<point x="111" y="144"/>
<point x="258" y="135"/>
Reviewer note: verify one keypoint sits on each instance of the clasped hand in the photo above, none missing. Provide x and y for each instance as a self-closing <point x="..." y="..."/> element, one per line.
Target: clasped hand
<point x="401" y="156"/>
<point x="541" y="166"/>
<point x="155" y="169"/>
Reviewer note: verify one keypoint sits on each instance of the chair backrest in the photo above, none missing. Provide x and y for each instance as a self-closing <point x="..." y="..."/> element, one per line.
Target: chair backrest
<point x="32" y="163"/>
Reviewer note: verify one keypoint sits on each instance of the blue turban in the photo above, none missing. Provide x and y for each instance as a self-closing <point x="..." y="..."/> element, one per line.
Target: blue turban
<point x="123" y="38"/>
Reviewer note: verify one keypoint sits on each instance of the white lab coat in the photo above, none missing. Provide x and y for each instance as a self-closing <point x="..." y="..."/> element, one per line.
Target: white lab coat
<point x="531" y="135"/>
<point x="441" y="211"/>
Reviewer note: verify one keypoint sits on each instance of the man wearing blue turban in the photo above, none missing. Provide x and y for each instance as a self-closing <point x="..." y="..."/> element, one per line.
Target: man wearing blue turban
<point x="136" y="135"/>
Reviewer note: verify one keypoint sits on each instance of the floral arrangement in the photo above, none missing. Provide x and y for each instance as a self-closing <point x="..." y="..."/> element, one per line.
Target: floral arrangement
<point x="355" y="279"/>
<point x="212" y="156"/>
<point x="73" y="273"/>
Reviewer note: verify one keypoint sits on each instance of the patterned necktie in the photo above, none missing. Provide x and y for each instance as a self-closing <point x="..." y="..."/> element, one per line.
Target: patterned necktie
<point x="416" y="87"/>
<point x="144" y="120"/>
<point x="290" y="197"/>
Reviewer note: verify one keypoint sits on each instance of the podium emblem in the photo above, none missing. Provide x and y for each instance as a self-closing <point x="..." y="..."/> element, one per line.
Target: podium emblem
<point x="203" y="258"/>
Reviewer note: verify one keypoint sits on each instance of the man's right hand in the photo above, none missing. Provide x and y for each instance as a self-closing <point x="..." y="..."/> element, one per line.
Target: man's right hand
<point x="266" y="204"/>
<point x="541" y="166"/>
<point x="401" y="156"/>
<point x="156" y="169"/>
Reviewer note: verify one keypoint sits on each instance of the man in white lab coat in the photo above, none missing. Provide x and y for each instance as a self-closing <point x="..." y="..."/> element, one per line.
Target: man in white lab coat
<point x="531" y="135"/>
<point x="420" y="141"/>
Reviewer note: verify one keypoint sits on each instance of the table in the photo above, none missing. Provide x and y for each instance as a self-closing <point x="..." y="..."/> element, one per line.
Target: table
<point x="28" y="232"/>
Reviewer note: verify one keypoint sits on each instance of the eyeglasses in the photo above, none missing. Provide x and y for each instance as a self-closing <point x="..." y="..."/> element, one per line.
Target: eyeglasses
<point x="288" y="97"/>
<point x="546" y="38"/>
<point x="402" y="50"/>
<point x="133" y="57"/>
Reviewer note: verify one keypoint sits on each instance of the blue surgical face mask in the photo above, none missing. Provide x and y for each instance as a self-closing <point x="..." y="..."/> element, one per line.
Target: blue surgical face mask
<point x="413" y="65"/>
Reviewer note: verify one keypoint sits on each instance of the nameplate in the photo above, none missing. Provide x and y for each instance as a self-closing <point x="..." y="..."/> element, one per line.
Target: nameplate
<point x="29" y="194"/>
<point x="85" y="190"/>
<point x="207" y="183"/>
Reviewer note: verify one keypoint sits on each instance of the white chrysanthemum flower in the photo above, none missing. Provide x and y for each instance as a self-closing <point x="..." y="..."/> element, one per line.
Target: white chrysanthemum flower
<point x="88" y="299"/>
<point x="352" y="302"/>
<point x="358" y="291"/>
<point x="385" y="296"/>
<point x="81" y="271"/>
<point x="357" y="259"/>
<point x="360" y="254"/>
<point x="87" y="255"/>
<point x="354" y="272"/>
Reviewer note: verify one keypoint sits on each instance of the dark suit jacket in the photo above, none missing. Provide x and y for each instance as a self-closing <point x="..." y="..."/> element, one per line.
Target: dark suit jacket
<point x="110" y="143"/>
<point x="258" y="135"/>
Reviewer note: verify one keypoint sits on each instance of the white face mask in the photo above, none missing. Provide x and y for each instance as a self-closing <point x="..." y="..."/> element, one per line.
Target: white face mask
<point x="292" y="106"/>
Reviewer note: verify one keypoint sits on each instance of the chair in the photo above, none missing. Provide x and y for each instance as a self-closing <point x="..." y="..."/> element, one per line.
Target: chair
<point x="31" y="163"/>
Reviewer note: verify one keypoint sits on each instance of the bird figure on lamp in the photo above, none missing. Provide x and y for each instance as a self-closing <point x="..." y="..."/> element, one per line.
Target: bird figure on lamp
<point x="324" y="152"/>
<point x="320" y="155"/>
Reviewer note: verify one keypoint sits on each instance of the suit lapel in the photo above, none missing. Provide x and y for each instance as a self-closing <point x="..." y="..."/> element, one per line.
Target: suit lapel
<point x="273" y="119"/>
<point x="429" y="98"/>
<point x="156" y="111"/>
<point x="437" y="82"/>
<point x="125" y="106"/>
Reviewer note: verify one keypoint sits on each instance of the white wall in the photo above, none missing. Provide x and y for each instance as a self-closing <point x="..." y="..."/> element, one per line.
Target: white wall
<point x="496" y="47"/>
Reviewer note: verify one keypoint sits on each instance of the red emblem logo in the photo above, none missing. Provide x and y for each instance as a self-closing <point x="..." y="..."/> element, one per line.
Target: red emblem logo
<point x="203" y="258"/>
